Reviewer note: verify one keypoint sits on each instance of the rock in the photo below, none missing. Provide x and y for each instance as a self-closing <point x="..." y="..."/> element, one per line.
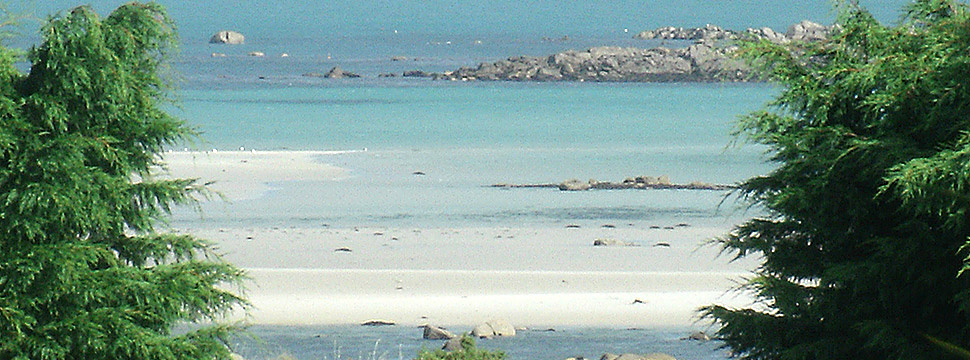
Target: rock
<point x="808" y="31"/>
<point x="417" y="73"/>
<point x="699" y="336"/>
<point x="437" y="333"/>
<point x="483" y="331"/>
<point x="343" y="249"/>
<point x="502" y="328"/>
<point x="234" y="356"/>
<point x="574" y="185"/>
<point x="708" y="32"/>
<point x="661" y="244"/>
<point x="768" y="34"/>
<point x="493" y="328"/>
<point x="611" y="242"/>
<point x="651" y="356"/>
<point x="378" y="323"/>
<point x="454" y="344"/>
<point x="227" y="37"/>
<point x="337" y="73"/>
<point x="256" y="54"/>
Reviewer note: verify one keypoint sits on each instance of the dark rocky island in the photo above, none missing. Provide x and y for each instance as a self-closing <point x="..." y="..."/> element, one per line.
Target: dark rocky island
<point x="709" y="59"/>
<point x="637" y="183"/>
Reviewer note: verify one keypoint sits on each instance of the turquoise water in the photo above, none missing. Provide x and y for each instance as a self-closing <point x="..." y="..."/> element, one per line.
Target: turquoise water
<point x="468" y="136"/>
<point x="464" y="136"/>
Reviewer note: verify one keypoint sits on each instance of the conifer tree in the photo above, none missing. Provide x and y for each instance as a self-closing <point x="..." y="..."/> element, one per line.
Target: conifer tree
<point x="865" y="241"/>
<point x="83" y="274"/>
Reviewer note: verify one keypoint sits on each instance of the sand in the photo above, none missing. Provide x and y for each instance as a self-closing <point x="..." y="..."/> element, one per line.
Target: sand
<point x="529" y="275"/>
<point x="243" y="175"/>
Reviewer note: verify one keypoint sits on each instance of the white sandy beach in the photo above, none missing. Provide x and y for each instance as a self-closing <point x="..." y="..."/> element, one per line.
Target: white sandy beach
<point x="531" y="276"/>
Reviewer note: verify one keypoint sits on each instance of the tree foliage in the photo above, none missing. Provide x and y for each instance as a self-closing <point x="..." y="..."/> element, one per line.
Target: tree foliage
<point x="468" y="351"/>
<point x="83" y="274"/>
<point x="865" y="241"/>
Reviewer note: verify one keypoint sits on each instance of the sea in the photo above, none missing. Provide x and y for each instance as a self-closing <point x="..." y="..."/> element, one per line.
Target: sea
<point x="464" y="136"/>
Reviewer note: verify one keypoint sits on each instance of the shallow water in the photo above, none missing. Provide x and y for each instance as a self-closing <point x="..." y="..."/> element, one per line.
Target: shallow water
<point x="395" y="342"/>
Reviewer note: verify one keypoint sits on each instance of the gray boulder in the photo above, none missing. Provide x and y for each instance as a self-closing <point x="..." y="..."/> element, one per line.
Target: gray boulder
<point x="227" y="37"/>
<point x="437" y="333"/>
<point x="453" y="344"/>
<point x="493" y="328"/>
<point x="808" y="31"/>
<point x="699" y="336"/>
<point x="767" y="33"/>
<point x="574" y="185"/>
<point x="338" y="73"/>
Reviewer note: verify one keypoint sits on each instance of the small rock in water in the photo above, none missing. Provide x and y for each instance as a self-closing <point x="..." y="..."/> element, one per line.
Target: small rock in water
<point x="638" y="301"/>
<point x="654" y="226"/>
<point x="452" y="345"/>
<point x="668" y="227"/>
<point x="437" y="333"/>
<point x="611" y="242"/>
<point x="572" y="226"/>
<point x="343" y="249"/>
<point x="699" y="336"/>
<point x="609" y="226"/>
<point x="418" y="173"/>
<point x="683" y="225"/>
<point x="378" y="323"/>
<point x="661" y="244"/>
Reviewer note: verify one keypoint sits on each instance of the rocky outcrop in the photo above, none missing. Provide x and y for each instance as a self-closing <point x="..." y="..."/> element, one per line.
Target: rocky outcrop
<point x="802" y="31"/>
<point x="493" y="328"/>
<point x="574" y="185"/>
<point x="808" y="31"/>
<point x="638" y="183"/>
<point x="337" y="73"/>
<point x="708" y="32"/>
<point x="227" y="37"/>
<point x="701" y="62"/>
<point x="437" y="333"/>
<point x="378" y="322"/>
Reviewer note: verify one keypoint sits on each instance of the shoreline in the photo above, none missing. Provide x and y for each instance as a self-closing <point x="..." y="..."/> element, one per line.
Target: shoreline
<point x="305" y="297"/>
<point x="656" y="274"/>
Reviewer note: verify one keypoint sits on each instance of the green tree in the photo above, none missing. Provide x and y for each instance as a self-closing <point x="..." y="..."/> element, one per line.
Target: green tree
<point x="83" y="274"/>
<point x="865" y="240"/>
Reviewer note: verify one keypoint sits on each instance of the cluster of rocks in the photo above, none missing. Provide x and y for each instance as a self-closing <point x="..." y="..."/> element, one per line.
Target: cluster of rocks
<point x="802" y="31"/>
<point x="709" y="59"/>
<point x="702" y="62"/>
<point x="638" y="183"/>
